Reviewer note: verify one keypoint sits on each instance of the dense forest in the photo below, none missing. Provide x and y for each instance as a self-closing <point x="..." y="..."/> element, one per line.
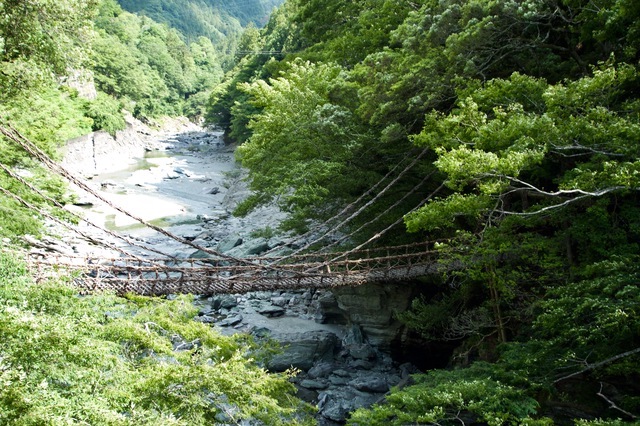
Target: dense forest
<point x="524" y="120"/>
<point x="215" y="19"/>
<point x="507" y="132"/>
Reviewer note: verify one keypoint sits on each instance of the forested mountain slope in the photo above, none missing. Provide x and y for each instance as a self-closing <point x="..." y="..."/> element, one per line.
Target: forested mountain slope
<point x="214" y="19"/>
<point x="149" y="66"/>
<point x="135" y="64"/>
<point x="524" y="119"/>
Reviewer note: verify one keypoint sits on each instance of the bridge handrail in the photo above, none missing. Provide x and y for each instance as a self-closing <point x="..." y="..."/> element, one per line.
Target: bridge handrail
<point x="405" y="249"/>
<point x="132" y="264"/>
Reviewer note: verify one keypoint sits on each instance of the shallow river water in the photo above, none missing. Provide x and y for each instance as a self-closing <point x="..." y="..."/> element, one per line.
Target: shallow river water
<point x="187" y="188"/>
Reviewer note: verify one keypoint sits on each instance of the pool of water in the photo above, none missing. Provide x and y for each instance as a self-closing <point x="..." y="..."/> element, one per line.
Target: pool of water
<point x="165" y="188"/>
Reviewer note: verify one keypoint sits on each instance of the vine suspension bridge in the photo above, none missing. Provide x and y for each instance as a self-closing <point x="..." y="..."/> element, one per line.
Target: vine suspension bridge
<point x="221" y="273"/>
<point x="162" y="276"/>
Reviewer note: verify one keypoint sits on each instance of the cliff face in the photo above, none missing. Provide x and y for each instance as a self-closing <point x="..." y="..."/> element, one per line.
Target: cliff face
<point x="100" y="152"/>
<point x="370" y="307"/>
<point x="82" y="81"/>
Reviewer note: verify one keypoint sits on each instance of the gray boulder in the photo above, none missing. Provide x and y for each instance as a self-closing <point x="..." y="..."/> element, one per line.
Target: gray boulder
<point x="302" y="350"/>
<point x="226" y="301"/>
<point x="229" y="243"/>
<point x="372" y="384"/>
<point x="269" y="310"/>
<point x="255" y="247"/>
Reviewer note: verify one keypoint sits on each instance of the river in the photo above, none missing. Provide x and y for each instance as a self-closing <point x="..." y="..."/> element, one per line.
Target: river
<point x="188" y="184"/>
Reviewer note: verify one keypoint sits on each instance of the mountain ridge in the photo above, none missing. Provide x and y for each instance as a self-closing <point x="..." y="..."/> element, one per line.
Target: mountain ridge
<point x="214" y="19"/>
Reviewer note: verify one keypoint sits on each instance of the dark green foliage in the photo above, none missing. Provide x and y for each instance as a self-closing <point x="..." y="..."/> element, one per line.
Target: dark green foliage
<point x="455" y="397"/>
<point x="528" y="111"/>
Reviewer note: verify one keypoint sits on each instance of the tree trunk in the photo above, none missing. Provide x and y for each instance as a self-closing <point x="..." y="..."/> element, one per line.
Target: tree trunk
<point x="495" y="304"/>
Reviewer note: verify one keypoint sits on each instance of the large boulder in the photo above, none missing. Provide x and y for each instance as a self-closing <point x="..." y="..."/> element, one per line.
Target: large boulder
<point x="373" y="307"/>
<point x="336" y="404"/>
<point x="229" y="243"/>
<point x="303" y="350"/>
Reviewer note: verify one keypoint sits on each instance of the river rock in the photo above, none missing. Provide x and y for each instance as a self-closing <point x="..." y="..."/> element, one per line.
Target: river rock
<point x="229" y="243"/>
<point x="307" y="395"/>
<point x="336" y="405"/>
<point x="84" y="202"/>
<point x="327" y="310"/>
<point x="231" y="321"/>
<point x="203" y="255"/>
<point x="338" y="381"/>
<point x="321" y="370"/>
<point x="372" y="384"/>
<point x="353" y="336"/>
<point x="181" y="171"/>
<point x="206" y="319"/>
<point x="314" y="384"/>
<point x="362" y="351"/>
<point x="372" y="307"/>
<point x="270" y="310"/>
<point x="302" y="350"/>
<point x="279" y="301"/>
<point x="226" y="301"/>
<point x="255" y="247"/>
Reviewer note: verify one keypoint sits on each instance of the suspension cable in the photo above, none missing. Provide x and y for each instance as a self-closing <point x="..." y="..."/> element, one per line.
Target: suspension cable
<point x="92" y="224"/>
<point x="365" y="206"/>
<point x="337" y="216"/>
<point x="375" y="219"/>
<point x="379" y="234"/>
<point x="61" y="222"/>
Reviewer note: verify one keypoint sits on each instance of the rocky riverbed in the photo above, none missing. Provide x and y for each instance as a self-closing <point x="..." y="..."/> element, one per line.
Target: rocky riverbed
<point x="185" y="180"/>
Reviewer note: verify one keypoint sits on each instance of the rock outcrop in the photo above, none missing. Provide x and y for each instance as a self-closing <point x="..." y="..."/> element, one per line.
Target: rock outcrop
<point x="371" y="307"/>
<point x="343" y="359"/>
<point x="101" y="152"/>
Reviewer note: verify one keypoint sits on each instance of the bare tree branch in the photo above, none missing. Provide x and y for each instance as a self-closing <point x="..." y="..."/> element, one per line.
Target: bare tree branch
<point x="613" y="404"/>
<point x="578" y="193"/>
<point x="587" y="151"/>
<point x="599" y="364"/>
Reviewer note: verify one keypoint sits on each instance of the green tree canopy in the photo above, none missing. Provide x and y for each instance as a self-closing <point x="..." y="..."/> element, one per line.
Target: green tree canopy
<point x="41" y="36"/>
<point x="527" y="115"/>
